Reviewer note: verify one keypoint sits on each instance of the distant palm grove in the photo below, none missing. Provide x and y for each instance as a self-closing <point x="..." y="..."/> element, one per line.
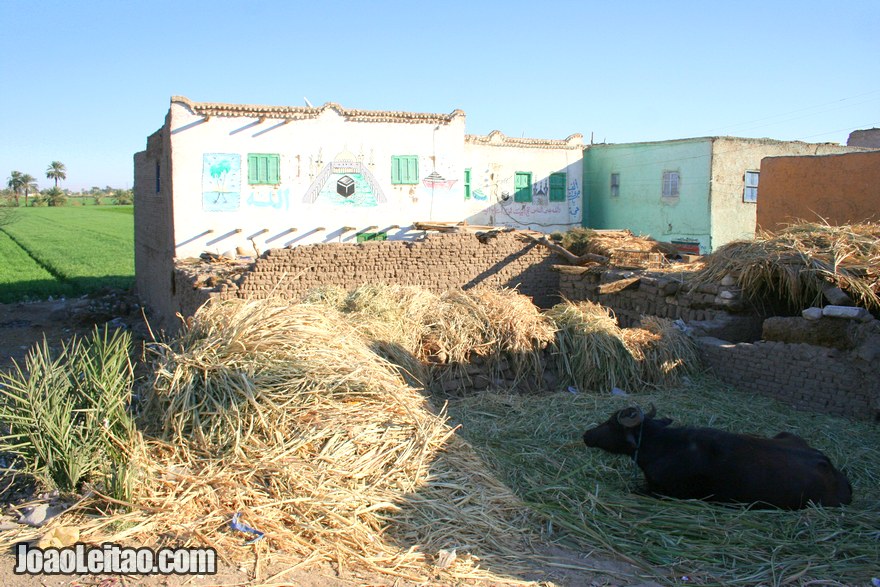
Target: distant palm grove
<point x="22" y="190"/>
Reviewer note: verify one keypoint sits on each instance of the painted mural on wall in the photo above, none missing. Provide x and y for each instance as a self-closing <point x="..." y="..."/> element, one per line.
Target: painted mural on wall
<point x="574" y="199"/>
<point x="221" y="182"/>
<point x="344" y="181"/>
<point x="273" y="198"/>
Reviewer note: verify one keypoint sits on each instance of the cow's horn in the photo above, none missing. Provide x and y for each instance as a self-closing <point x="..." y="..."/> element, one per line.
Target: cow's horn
<point x="633" y="420"/>
<point x="653" y="411"/>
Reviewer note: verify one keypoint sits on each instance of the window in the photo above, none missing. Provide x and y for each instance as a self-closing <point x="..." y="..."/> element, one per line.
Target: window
<point x="158" y="177"/>
<point x="615" y="185"/>
<point x="750" y="193"/>
<point x="371" y="236"/>
<point x="671" y="183"/>
<point x="522" y="185"/>
<point x="405" y="169"/>
<point x="557" y="187"/>
<point x="264" y="169"/>
<point x="467" y="184"/>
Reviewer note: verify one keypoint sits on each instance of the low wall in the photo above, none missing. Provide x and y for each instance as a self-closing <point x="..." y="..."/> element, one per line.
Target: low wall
<point x="438" y="262"/>
<point x="842" y="381"/>
<point x="712" y="309"/>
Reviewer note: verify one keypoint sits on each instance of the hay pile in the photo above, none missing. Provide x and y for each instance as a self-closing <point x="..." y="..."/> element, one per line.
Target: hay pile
<point x="621" y="246"/>
<point x="416" y="329"/>
<point x="797" y="264"/>
<point x="591" y="498"/>
<point x="285" y="415"/>
<point x="592" y="352"/>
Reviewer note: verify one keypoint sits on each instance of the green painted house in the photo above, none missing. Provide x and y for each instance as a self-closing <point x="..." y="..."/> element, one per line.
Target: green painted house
<point x="700" y="193"/>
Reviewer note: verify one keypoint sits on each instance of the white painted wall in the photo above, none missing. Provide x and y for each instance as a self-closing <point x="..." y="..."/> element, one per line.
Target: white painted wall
<point x="216" y="209"/>
<point x="493" y="167"/>
<point x="263" y="216"/>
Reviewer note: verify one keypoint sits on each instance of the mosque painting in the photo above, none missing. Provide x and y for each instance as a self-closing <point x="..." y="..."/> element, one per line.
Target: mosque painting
<point x="344" y="181"/>
<point x="221" y="182"/>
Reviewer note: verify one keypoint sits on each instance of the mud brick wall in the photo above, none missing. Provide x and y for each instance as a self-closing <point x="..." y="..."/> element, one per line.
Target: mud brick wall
<point x="719" y="308"/>
<point x="804" y="376"/>
<point x="438" y="262"/>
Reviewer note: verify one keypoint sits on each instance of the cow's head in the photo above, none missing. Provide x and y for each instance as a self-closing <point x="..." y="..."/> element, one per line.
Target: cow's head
<point x="620" y="433"/>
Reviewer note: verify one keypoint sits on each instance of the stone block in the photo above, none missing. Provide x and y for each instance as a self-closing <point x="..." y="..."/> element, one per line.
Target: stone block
<point x="848" y="312"/>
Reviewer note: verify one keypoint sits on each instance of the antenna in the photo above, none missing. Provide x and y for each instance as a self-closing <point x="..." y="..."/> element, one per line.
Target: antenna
<point x="309" y="104"/>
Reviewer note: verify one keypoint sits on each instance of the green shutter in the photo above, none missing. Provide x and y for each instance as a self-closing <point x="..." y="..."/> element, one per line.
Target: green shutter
<point x="273" y="172"/>
<point x="467" y="184"/>
<point x="264" y="168"/>
<point x="395" y="170"/>
<point x="404" y="169"/>
<point x="252" y="168"/>
<point x="522" y="184"/>
<point x="412" y="170"/>
<point x="557" y="187"/>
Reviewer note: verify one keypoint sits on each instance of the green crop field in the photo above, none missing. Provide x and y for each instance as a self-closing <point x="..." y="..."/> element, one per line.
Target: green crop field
<point x="66" y="251"/>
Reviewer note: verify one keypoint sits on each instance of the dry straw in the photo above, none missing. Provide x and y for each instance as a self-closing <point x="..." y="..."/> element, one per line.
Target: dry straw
<point x="797" y="264"/>
<point x="285" y="414"/>
<point x="592" y="353"/>
<point x="591" y="499"/>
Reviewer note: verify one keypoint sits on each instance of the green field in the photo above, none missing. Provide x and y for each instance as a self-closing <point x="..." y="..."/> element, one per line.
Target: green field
<point x="66" y="251"/>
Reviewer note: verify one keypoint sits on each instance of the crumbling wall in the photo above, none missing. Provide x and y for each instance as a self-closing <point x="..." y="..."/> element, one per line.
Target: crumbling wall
<point x="438" y="262"/>
<point x="716" y="310"/>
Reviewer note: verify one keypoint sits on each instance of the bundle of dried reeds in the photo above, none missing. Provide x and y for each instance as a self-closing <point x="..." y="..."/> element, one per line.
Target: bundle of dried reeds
<point x="500" y="326"/>
<point x="664" y="353"/>
<point x="800" y="262"/>
<point x="284" y="413"/>
<point x="592" y="352"/>
<point x="608" y="242"/>
<point x="589" y="351"/>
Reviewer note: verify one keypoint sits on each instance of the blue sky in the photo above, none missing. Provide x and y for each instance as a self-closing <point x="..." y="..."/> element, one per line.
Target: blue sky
<point x="85" y="82"/>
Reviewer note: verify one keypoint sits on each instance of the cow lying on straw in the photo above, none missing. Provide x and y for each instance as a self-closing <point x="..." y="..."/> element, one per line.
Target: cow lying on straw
<point x="704" y="463"/>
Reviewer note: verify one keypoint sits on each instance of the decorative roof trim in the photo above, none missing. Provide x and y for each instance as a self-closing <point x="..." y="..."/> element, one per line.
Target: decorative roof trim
<point x="289" y="113"/>
<point x="496" y="138"/>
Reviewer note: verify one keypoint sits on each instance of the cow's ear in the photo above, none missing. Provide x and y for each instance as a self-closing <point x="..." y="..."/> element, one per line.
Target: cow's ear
<point x="663" y="422"/>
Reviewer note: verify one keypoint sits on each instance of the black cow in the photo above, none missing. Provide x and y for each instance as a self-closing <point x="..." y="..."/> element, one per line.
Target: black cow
<point x="704" y="463"/>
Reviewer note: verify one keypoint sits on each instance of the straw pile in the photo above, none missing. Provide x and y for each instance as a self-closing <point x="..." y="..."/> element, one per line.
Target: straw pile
<point x="797" y="264"/>
<point x="592" y="352"/>
<point x="498" y="328"/>
<point x="285" y="415"/>
<point x="590" y="497"/>
<point x="615" y="244"/>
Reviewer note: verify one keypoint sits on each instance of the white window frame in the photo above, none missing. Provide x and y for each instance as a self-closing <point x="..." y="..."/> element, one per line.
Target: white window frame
<point x="671" y="185"/>
<point x="750" y="190"/>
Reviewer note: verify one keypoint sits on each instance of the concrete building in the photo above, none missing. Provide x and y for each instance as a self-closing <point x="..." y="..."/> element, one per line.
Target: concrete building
<point x="699" y="193"/>
<point x="837" y="189"/>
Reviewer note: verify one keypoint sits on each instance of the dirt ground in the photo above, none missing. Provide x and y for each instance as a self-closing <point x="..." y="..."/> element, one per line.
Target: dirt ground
<point x="24" y="324"/>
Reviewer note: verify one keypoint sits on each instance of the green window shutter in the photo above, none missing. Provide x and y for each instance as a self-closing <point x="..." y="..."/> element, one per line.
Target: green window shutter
<point x="264" y="168"/>
<point x="467" y="184"/>
<point x="252" y="169"/>
<point x="395" y="170"/>
<point x="412" y="170"/>
<point x="557" y="187"/>
<point x="404" y="169"/>
<point x="273" y="164"/>
<point x="522" y="184"/>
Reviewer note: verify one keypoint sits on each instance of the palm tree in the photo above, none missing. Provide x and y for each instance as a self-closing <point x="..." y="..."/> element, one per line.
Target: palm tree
<point x="56" y="171"/>
<point x="28" y="183"/>
<point x="16" y="182"/>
